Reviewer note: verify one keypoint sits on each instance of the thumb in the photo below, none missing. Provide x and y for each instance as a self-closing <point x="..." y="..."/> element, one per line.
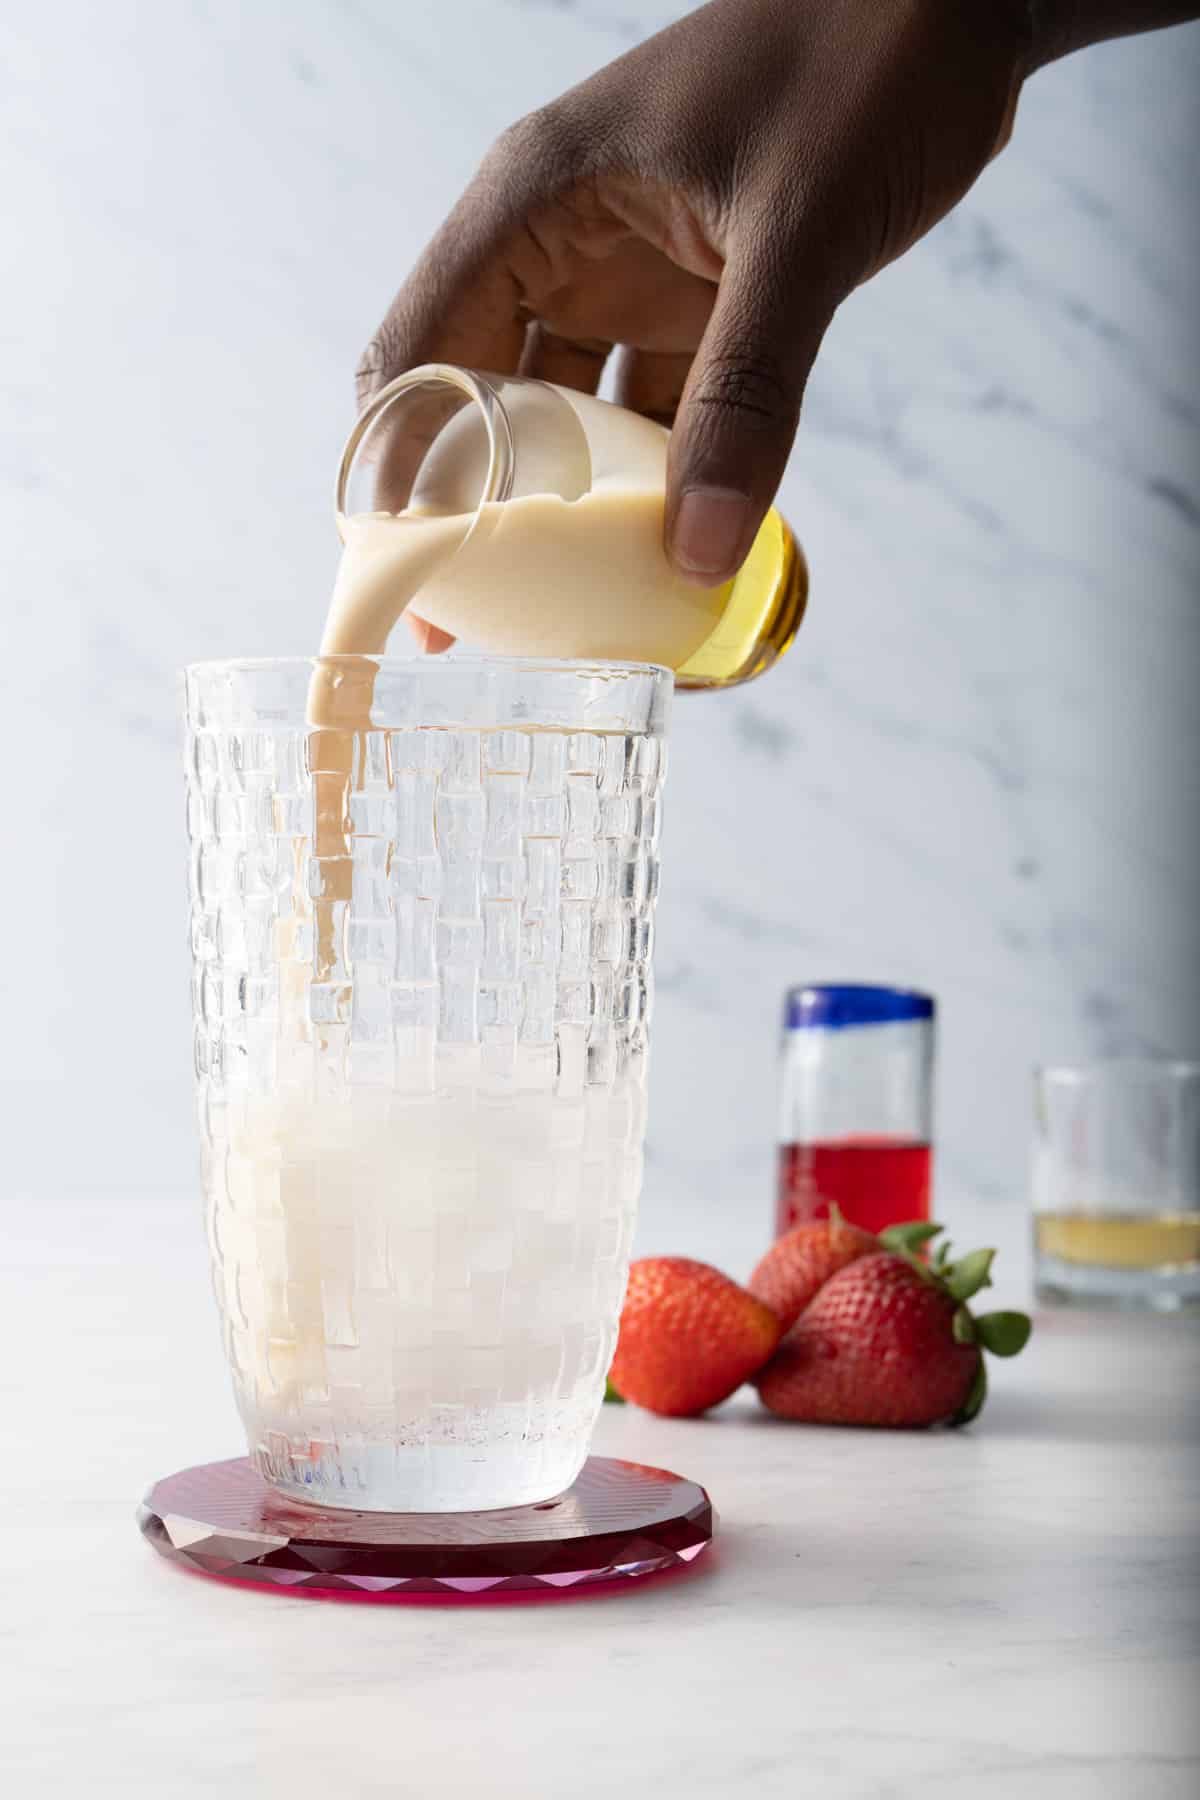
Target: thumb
<point x="738" y="415"/>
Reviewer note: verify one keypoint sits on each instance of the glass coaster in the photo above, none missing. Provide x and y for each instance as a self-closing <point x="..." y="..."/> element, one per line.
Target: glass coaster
<point x="620" y="1520"/>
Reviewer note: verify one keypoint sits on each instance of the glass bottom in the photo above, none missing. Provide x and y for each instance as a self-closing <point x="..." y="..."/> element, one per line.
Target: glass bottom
<point x="1059" y="1283"/>
<point x="360" y="1476"/>
<point x="1146" y="1260"/>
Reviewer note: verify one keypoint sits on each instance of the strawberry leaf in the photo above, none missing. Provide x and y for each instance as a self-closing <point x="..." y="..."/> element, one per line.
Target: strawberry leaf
<point x="969" y="1274"/>
<point x="963" y="1326"/>
<point x="1003" y="1333"/>
<point x="908" y="1238"/>
<point x="972" y="1406"/>
<point x="611" y="1395"/>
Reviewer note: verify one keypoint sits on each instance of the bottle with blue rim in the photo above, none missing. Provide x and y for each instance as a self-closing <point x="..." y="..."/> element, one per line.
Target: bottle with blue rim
<point x="856" y="1114"/>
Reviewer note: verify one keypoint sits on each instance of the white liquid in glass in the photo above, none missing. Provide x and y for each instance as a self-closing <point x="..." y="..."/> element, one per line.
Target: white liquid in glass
<point x="422" y="1293"/>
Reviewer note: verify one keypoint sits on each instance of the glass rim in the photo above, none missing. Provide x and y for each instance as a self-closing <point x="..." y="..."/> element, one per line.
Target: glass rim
<point x="829" y="1005"/>
<point x="1078" y="1074"/>
<point x="477" y="390"/>
<point x="433" y="665"/>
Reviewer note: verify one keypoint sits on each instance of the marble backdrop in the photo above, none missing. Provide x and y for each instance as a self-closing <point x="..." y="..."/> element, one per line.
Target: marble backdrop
<point x="978" y="769"/>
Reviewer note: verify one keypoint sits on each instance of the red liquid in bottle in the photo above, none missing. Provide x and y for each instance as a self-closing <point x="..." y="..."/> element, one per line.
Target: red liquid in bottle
<point x="876" y="1182"/>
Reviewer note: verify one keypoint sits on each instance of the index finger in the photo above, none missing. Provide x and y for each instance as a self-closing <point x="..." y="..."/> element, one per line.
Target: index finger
<point x="461" y="304"/>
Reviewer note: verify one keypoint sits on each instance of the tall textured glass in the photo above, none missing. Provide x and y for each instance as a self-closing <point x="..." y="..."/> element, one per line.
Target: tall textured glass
<point x="421" y="992"/>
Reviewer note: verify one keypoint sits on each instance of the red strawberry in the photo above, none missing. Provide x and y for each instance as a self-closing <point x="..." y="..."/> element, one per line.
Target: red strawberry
<point x="689" y="1336"/>
<point x="803" y="1260"/>
<point x="887" y="1341"/>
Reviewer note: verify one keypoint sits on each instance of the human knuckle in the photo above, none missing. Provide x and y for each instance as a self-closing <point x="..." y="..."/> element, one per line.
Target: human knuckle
<point x="370" y="370"/>
<point x="746" y="384"/>
<point x="390" y="349"/>
<point x="548" y="142"/>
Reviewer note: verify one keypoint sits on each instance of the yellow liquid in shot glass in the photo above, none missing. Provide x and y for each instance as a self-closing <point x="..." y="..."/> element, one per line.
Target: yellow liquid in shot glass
<point x="1162" y="1240"/>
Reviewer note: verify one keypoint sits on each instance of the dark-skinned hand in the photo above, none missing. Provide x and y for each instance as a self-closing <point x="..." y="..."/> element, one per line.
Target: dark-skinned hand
<point x="704" y="204"/>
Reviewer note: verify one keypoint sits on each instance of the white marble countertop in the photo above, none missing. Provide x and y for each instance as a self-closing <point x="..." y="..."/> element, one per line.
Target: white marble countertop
<point x="1006" y="1610"/>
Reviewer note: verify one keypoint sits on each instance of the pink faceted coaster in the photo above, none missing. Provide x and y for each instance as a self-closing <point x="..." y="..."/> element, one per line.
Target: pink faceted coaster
<point x="619" y="1520"/>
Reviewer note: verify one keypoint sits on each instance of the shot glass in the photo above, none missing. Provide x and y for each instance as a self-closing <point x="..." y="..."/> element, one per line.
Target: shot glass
<point x="856" y="1105"/>
<point x="1116" y="1184"/>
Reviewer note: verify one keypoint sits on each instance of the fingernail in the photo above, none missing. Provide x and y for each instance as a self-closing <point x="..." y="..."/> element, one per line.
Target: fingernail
<point x="709" y="533"/>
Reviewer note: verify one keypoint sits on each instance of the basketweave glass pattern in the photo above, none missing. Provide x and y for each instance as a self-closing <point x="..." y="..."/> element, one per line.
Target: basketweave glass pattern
<point x="422" y="984"/>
